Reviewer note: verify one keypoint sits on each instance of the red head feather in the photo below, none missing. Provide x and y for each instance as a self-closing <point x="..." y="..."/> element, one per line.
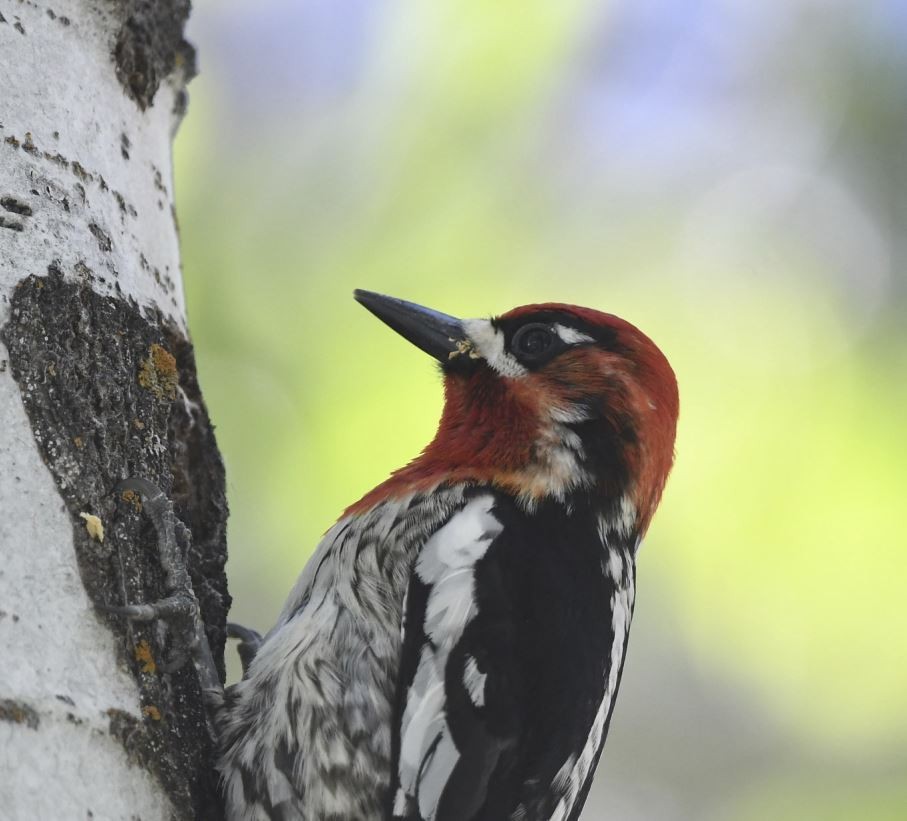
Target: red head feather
<point x="608" y="398"/>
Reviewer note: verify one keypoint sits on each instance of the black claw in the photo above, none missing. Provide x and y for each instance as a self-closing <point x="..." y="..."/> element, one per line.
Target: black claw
<point x="246" y="634"/>
<point x="146" y="488"/>
<point x="249" y="642"/>
<point x="155" y="504"/>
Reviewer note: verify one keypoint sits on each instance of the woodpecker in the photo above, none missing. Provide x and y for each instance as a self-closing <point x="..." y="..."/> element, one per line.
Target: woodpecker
<point x="453" y="649"/>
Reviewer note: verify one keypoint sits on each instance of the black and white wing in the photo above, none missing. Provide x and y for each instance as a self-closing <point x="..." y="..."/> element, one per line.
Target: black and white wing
<point x="514" y="634"/>
<point x="457" y="707"/>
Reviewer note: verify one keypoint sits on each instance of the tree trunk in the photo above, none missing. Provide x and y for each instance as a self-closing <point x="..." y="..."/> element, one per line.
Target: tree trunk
<point x="97" y="384"/>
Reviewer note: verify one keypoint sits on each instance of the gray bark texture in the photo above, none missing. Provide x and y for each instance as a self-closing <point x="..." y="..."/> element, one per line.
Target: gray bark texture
<point x="97" y="384"/>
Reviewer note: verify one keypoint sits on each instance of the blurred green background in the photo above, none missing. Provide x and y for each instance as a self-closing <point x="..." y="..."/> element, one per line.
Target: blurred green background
<point x="732" y="177"/>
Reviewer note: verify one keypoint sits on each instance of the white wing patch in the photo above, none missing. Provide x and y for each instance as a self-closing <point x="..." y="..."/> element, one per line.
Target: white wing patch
<point x="474" y="682"/>
<point x="428" y="754"/>
<point x="622" y="526"/>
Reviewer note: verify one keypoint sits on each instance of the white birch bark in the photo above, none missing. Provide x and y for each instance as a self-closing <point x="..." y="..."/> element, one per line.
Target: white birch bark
<point x="85" y="187"/>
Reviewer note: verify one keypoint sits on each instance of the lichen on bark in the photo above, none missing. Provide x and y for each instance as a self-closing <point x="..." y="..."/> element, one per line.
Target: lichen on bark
<point x="78" y="358"/>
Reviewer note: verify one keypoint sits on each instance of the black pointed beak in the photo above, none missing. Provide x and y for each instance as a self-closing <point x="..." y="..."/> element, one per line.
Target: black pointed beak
<point x="435" y="333"/>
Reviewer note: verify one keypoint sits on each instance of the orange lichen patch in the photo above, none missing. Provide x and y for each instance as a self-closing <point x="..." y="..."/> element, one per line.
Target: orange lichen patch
<point x="133" y="498"/>
<point x="138" y="424"/>
<point x="94" y="526"/>
<point x="144" y="658"/>
<point x="152" y="712"/>
<point x="158" y="373"/>
<point x="78" y="442"/>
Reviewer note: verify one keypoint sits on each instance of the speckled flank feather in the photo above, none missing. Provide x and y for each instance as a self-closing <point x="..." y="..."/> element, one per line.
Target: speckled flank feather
<point x="307" y="733"/>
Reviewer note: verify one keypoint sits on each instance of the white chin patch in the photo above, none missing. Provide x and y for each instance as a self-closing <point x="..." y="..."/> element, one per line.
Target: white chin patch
<point x="489" y="343"/>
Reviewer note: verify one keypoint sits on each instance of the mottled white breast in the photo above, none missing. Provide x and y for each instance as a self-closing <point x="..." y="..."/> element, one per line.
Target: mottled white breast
<point x="307" y="733"/>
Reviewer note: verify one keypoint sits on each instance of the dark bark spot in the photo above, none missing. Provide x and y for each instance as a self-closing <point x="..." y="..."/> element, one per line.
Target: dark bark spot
<point x="130" y="732"/>
<point x="80" y="172"/>
<point x="12" y="225"/>
<point x="15" y="206"/>
<point x="57" y="158"/>
<point x="150" y="45"/>
<point x="76" y="356"/>
<point x="103" y="238"/>
<point x="18" y="712"/>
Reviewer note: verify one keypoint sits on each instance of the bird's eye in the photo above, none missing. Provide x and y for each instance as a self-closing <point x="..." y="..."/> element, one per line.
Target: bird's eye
<point x="532" y="342"/>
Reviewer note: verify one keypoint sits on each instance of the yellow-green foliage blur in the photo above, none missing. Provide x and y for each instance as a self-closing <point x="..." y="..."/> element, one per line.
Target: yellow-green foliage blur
<point x="730" y="177"/>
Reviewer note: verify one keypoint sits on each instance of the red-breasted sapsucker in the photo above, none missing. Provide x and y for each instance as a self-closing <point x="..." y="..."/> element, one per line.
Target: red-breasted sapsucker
<point x="453" y="650"/>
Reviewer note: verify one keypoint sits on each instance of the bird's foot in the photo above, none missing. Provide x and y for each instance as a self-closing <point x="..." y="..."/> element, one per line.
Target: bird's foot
<point x="249" y="642"/>
<point x="179" y="610"/>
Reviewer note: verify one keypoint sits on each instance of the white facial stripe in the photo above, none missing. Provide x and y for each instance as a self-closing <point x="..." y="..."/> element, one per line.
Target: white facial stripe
<point x="571" y="336"/>
<point x="489" y="342"/>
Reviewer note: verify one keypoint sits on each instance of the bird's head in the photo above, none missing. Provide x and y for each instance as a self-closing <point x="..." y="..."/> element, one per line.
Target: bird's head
<point x="547" y="401"/>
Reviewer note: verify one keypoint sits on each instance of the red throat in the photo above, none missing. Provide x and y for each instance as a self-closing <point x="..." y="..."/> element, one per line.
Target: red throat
<point x="487" y="433"/>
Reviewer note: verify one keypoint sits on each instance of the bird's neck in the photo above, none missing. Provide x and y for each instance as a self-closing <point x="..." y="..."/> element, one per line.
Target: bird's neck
<point x="497" y="435"/>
